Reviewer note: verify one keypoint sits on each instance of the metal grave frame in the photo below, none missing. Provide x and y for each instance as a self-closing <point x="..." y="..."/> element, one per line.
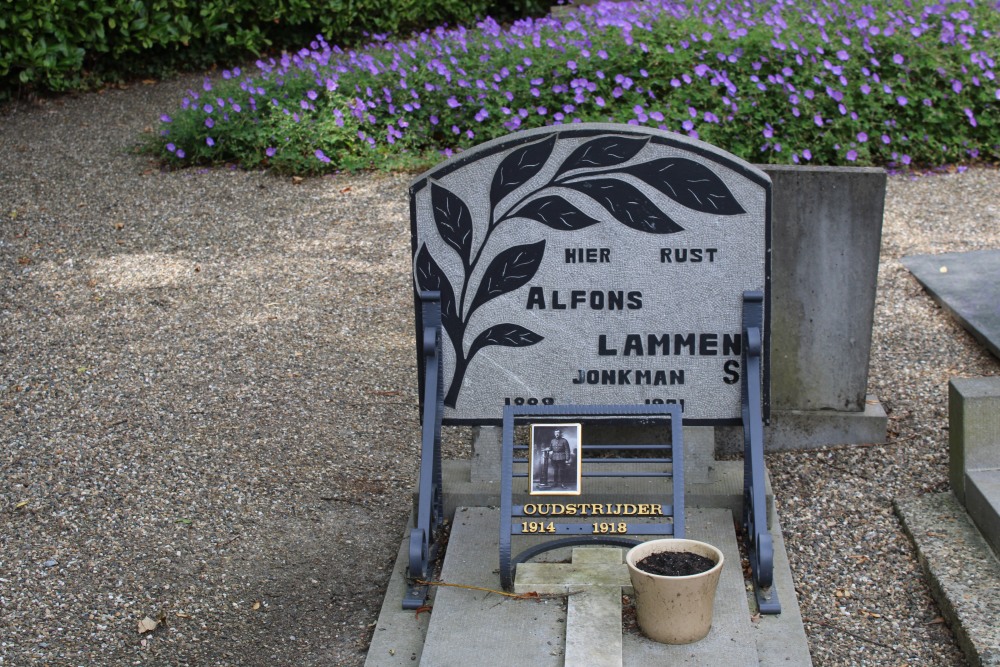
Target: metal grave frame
<point x="429" y="516"/>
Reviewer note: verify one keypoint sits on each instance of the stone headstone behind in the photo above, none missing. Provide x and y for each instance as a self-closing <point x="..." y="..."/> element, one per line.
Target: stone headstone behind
<point x="592" y="264"/>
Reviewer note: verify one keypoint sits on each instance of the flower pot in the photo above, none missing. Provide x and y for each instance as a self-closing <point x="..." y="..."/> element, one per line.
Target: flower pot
<point x="674" y="610"/>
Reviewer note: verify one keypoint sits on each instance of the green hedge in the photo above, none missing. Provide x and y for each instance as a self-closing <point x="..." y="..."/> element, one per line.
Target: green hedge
<point x="59" y="45"/>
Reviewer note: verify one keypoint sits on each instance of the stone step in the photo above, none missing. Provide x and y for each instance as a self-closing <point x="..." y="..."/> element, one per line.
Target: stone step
<point x="470" y="626"/>
<point x="962" y="569"/>
<point x="982" y="501"/>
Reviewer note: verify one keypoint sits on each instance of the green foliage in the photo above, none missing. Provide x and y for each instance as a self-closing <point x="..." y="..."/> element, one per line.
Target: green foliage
<point x="59" y="45"/>
<point x="913" y="82"/>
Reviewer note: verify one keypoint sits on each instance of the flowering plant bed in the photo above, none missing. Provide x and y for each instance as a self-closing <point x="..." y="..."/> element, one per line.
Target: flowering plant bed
<point x="825" y="82"/>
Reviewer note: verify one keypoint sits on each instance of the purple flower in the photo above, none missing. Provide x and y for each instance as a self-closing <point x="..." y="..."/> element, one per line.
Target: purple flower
<point x="165" y="118"/>
<point x="209" y="123"/>
<point x="862" y="137"/>
<point x="271" y="150"/>
<point x="210" y="141"/>
<point x="453" y="103"/>
<point x="886" y="139"/>
<point x="321" y="156"/>
<point x="171" y="148"/>
<point x="852" y="155"/>
<point x="956" y="85"/>
<point x="902" y="101"/>
<point x="818" y="120"/>
<point x="180" y="153"/>
<point x="482" y="115"/>
<point x="807" y="154"/>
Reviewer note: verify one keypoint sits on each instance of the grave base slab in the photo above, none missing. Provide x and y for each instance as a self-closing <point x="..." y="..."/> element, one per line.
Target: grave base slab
<point x="468" y="626"/>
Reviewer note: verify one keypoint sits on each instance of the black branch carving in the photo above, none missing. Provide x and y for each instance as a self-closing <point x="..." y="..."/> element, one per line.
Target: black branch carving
<point x="593" y="170"/>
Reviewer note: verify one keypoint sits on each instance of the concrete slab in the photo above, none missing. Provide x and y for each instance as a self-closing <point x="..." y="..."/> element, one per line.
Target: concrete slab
<point x="593" y="582"/>
<point x="467" y="625"/>
<point x="973" y="428"/>
<point x="781" y="639"/>
<point x="966" y="284"/>
<point x="982" y="501"/>
<point x="963" y="572"/>
<point x="731" y="640"/>
<point x="398" y="639"/>
<point x="795" y="430"/>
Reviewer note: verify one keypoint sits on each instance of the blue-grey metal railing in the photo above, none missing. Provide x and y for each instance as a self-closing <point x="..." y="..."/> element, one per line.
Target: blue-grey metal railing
<point x="668" y="521"/>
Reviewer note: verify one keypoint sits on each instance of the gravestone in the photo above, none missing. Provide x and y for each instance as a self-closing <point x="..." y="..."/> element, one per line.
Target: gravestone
<point x="589" y="266"/>
<point x="592" y="264"/>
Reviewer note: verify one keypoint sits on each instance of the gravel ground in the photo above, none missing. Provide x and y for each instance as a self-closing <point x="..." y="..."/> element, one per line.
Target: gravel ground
<point x="208" y="408"/>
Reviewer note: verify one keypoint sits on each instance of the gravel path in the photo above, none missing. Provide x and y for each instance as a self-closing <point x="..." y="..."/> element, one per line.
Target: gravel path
<point x="208" y="408"/>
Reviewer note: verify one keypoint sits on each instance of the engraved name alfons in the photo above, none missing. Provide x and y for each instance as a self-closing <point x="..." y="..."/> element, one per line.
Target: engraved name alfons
<point x="597" y="171"/>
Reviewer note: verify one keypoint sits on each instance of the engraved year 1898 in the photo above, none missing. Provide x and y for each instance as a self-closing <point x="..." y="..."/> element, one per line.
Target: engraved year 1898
<point x="520" y="400"/>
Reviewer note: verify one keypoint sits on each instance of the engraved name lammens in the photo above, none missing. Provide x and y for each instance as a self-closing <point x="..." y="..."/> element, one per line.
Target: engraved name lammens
<point x="597" y="183"/>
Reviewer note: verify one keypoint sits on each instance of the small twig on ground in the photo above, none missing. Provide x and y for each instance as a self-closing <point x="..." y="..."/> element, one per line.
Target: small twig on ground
<point x="852" y="634"/>
<point x="530" y="595"/>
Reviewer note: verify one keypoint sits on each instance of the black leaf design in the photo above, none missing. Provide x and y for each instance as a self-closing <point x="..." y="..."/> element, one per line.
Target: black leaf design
<point x="688" y="183"/>
<point x="509" y="270"/>
<point x="557" y="213"/>
<point x="603" y="152"/>
<point x="506" y="335"/>
<point x="431" y="278"/>
<point x="629" y="206"/>
<point x="519" y="167"/>
<point x="453" y="220"/>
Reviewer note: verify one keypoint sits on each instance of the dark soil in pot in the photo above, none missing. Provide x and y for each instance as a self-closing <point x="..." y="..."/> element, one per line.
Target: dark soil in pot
<point x="675" y="564"/>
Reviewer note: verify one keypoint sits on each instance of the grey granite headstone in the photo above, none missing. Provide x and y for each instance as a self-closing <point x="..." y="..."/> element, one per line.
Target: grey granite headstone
<point x="967" y="284"/>
<point x="592" y="264"/>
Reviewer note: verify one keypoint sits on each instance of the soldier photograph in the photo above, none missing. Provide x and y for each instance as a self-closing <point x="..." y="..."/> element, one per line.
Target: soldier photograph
<point x="555" y="459"/>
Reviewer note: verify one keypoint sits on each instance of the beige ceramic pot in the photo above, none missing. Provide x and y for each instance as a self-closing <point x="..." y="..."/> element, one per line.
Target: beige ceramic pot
<point x="674" y="610"/>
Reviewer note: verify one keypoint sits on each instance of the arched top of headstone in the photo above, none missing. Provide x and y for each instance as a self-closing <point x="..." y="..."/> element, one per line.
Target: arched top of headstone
<point x="591" y="264"/>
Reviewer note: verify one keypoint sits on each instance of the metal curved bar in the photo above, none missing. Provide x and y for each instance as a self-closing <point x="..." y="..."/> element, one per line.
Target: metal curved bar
<point x="759" y="544"/>
<point x="430" y="505"/>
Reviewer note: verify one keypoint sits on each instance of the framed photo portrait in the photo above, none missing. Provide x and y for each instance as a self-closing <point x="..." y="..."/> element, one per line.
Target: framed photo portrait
<point x="556" y="464"/>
